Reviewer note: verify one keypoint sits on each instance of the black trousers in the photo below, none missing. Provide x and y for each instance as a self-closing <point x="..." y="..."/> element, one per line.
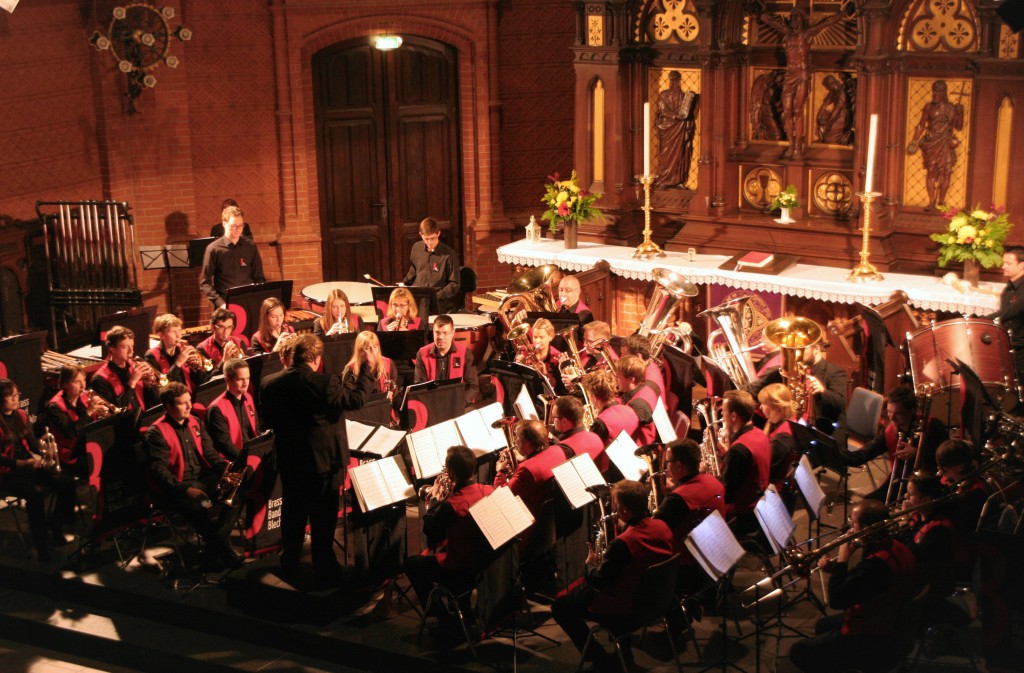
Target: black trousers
<point x="573" y="611"/>
<point x="33" y="486"/>
<point x="214" y="524"/>
<point x="830" y="652"/>
<point x="313" y="499"/>
<point x="424" y="571"/>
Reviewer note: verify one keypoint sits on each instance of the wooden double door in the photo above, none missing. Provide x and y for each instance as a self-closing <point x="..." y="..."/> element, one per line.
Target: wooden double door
<point x="387" y="153"/>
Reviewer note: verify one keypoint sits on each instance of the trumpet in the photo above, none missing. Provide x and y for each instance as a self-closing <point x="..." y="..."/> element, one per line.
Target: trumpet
<point x="282" y="339"/>
<point x="231" y="481"/>
<point x="440" y="490"/>
<point x="231" y="349"/>
<point x="390" y="387"/>
<point x="50" y="451"/>
<point x="339" y="327"/>
<point x="150" y="377"/>
<point x="196" y="361"/>
<point x="104" y="409"/>
<point x="398" y="324"/>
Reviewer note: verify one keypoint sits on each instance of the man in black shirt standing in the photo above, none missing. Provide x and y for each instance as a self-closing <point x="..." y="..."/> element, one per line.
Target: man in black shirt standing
<point x="434" y="264"/>
<point x="1011" y="305"/>
<point x="230" y="261"/>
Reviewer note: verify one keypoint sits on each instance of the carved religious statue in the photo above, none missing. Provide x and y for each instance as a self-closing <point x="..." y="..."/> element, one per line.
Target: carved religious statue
<point x="676" y="123"/>
<point x="764" y="104"/>
<point x="796" y="39"/>
<point x="835" y="114"/>
<point x="935" y="136"/>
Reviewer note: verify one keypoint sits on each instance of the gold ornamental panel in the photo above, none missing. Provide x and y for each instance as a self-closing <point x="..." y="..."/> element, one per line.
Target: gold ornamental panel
<point x="939" y="25"/>
<point x="658" y="82"/>
<point x="833" y="193"/>
<point x="915" y="176"/>
<point x="595" y="31"/>
<point x="1009" y="43"/>
<point x="672" y="21"/>
<point x="759" y="186"/>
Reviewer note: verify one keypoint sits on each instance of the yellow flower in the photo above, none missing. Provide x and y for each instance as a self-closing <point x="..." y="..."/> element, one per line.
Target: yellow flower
<point x="980" y="215"/>
<point x="966" y="232"/>
<point x="562" y="196"/>
<point x="990" y="243"/>
<point x="951" y="239"/>
<point x="575" y="188"/>
<point x="957" y="222"/>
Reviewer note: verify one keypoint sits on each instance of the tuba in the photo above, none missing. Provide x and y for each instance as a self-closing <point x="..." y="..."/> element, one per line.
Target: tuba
<point x="508" y="425"/>
<point x="532" y="290"/>
<point x="670" y="288"/>
<point x="794" y="335"/>
<point x="727" y="345"/>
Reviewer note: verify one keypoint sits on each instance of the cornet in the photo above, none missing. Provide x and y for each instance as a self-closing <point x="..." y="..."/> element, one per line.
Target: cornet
<point x="196" y="361"/>
<point x="104" y="409"/>
<point x="150" y="377"/>
<point x="284" y="338"/>
<point x="50" y="451"/>
<point x="230" y="349"/>
<point x="439" y="490"/>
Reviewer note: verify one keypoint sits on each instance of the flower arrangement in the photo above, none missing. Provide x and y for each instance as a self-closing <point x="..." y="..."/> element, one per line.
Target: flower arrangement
<point x="785" y="199"/>
<point x="973" y="235"/>
<point x="566" y="200"/>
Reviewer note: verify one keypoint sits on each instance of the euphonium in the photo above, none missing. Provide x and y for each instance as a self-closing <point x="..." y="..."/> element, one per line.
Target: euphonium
<point x="532" y="290"/>
<point x="603" y="361"/>
<point x="708" y="409"/>
<point x="794" y="335"/>
<point x="570" y="365"/>
<point x="50" y="451"/>
<point x="507" y="425"/>
<point x="727" y="345"/>
<point x="670" y="289"/>
<point x="650" y="455"/>
<point x="602" y="535"/>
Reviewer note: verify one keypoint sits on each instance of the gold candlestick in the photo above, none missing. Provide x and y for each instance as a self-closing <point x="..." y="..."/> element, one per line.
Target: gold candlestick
<point x="865" y="272"/>
<point x="647" y="248"/>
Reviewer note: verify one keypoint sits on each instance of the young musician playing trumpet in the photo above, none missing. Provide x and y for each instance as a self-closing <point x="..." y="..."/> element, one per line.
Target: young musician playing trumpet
<point x="222" y="345"/>
<point x="337" y="317"/>
<point x="174" y="358"/>
<point x="403" y="313"/>
<point x="122" y="380"/>
<point x="22" y="474"/>
<point x="67" y="414"/>
<point x="268" y="336"/>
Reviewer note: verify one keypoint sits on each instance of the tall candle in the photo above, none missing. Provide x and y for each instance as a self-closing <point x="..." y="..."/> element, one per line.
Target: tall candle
<point x="647" y="138"/>
<point x="869" y="179"/>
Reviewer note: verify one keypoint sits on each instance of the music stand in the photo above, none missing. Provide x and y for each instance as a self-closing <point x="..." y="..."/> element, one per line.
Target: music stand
<point x="976" y="396"/>
<point x="439" y="401"/>
<point x="715" y="377"/>
<point x="245" y="302"/>
<point x="209" y="391"/>
<point x="377" y="411"/>
<point x="878" y="338"/>
<point x="682" y="373"/>
<point x="425" y="298"/>
<point x="338" y="349"/>
<point x="560" y="319"/>
<point x="138" y="320"/>
<point x="508" y="370"/>
<point x="823" y="452"/>
<point x="197" y="251"/>
<point x="21" y="359"/>
<point x="261" y="367"/>
<point x="262" y="497"/>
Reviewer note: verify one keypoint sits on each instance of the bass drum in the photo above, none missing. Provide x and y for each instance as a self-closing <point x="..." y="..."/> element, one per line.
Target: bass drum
<point x="979" y="343"/>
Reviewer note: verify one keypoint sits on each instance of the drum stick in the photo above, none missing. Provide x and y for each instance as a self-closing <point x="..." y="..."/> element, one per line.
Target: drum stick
<point x="373" y="280"/>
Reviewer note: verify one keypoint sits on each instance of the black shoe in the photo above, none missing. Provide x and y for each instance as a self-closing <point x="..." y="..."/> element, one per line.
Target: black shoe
<point x="234" y="561"/>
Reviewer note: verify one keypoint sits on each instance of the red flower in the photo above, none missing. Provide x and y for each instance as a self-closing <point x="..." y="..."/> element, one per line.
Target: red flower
<point x="584" y="193"/>
<point x="555" y="177"/>
<point x="563" y="209"/>
<point x="968" y="241"/>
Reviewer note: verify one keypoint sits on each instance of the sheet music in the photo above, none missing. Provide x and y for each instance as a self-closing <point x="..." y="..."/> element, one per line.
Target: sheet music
<point x="621" y="453"/>
<point x="476" y="432"/>
<point x="569" y="480"/>
<point x="423" y="450"/>
<point x="809" y="486"/>
<point x="666" y="431"/>
<point x="490" y="414"/>
<point x="357" y="433"/>
<point x="445" y="435"/>
<point x="525" y="406"/>
<point x="383" y="441"/>
<point x="775" y="520"/>
<point x="501" y="516"/>
<point x="398" y="484"/>
<point x="716" y="544"/>
<point x="370" y="487"/>
<point x="588" y="471"/>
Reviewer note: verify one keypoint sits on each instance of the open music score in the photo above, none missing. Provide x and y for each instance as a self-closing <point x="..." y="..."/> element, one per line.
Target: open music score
<point x="378" y="440"/>
<point x="429" y="447"/>
<point x="622" y="454"/>
<point x="574" y="476"/>
<point x="775" y="520"/>
<point x="501" y="516"/>
<point x="714" y="546"/>
<point x="380" y="483"/>
<point x="476" y="428"/>
<point x="666" y="431"/>
<point x="809" y="486"/>
<point x="524" y="405"/>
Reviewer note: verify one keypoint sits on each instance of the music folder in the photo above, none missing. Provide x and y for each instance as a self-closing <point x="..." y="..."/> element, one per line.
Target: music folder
<point x="714" y="546"/>
<point x="371" y="441"/>
<point x="574" y="476"/>
<point x="428" y="448"/>
<point x="380" y="483"/>
<point x="501" y="516"/>
<point x="809" y="487"/>
<point x="666" y="431"/>
<point x="622" y="453"/>
<point x="774" y="519"/>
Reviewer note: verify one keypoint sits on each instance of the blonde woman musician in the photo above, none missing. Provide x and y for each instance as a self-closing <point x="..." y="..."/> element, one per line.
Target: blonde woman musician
<point x="385" y="372"/>
<point x="779" y="407"/>
<point x="271" y="327"/>
<point x="403" y="314"/>
<point x="337" y="317"/>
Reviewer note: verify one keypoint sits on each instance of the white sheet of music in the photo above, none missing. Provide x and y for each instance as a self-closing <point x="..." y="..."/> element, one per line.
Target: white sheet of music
<point x="621" y="453"/>
<point x="490" y="414"/>
<point x="571" y="483"/>
<point x="423" y="450"/>
<point x="501" y="516"/>
<point x="774" y="519"/>
<point x="379" y="483"/>
<point x="398" y="484"/>
<point x="383" y="441"/>
<point x="809" y="486"/>
<point x="446" y="435"/>
<point x="525" y="406"/>
<point x="666" y="431"/>
<point x="357" y="433"/>
<point x="476" y="432"/>
<point x="716" y="547"/>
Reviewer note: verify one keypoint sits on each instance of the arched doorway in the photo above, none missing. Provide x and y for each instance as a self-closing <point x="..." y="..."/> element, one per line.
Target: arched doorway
<point x="387" y="153"/>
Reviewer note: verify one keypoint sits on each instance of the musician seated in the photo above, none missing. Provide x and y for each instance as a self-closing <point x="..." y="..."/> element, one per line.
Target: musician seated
<point x="174" y="358"/>
<point x="747" y="462"/>
<point x="567" y="419"/>
<point x="596" y="347"/>
<point x="121" y="380"/>
<point x="447" y="359"/>
<point x="641" y="347"/>
<point x="184" y="472"/>
<point x="458" y="550"/>
<point x="66" y="415"/>
<point x="221" y="345"/>
<point x="367" y="348"/>
<point x="23" y="475"/>
<point x="873" y="596"/>
<point x="231" y="418"/>
<point x="955" y="462"/>
<point x="608" y="597"/>
<point x="569" y="301"/>
<point x="271" y="329"/>
<point x="531" y="479"/>
<point x="337" y="317"/>
<point x="403" y="313"/>
<point x="613" y="417"/>
<point x="779" y="409"/>
<point x="639" y="395"/>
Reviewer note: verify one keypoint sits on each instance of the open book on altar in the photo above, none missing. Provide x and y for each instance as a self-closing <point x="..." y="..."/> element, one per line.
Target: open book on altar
<point x="574" y="476"/>
<point x="380" y="483"/>
<point x="377" y="440"/>
<point x="428" y="448"/>
<point x="622" y="453"/>
<point x="501" y="516"/>
<point x="714" y="546"/>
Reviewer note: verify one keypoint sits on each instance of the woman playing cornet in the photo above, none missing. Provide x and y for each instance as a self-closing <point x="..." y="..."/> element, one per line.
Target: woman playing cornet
<point x="367" y="349"/>
<point x="403" y="314"/>
<point x="337" y="317"/>
<point x="268" y="337"/>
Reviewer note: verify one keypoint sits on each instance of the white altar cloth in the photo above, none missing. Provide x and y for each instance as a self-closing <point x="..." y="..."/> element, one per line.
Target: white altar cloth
<point x="801" y="280"/>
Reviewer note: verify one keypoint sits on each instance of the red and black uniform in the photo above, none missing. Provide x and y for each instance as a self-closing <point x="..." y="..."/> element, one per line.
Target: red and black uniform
<point x="181" y="456"/>
<point x="111" y="383"/>
<point x="413" y="324"/>
<point x="611" y="592"/>
<point x="66" y="422"/>
<point x="784" y="457"/>
<point x="693" y="498"/>
<point x="873" y="596"/>
<point x="656" y="379"/>
<point x="32" y="484"/>
<point x="613" y="419"/>
<point x="213" y="350"/>
<point x="164" y="363"/>
<point x="265" y="344"/>
<point x="231" y="422"/>
<point x="457" y="363"/>
<point x="642" y="401"/>
<point x="580" y="440"/>
<point x="965" y="517"/>
<point x="746" y="469"/>
<point x="460" y="550"/>
<point x="532" y="480"/>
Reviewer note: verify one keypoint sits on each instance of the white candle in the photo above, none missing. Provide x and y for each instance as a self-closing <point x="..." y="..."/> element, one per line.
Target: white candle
<point x="647" y="138"/>
<point x="869" y="179"/>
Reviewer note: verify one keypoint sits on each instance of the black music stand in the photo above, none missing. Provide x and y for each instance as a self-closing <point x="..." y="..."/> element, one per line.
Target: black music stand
<point x="823" y="452"/>
<point x="717" y="381"/>
<point x="560" y="319"/>
<point x="402" y="347"/>
<point x="439" y="400"/>
<point x="21" y="357"/>
<point x="338" y="349"/>
<point x="425" y="297"/>
<point x="138" y="320"/>
<point x="245" y="301"/>
<point x="376" y="411"/>
<point x="260" y="367"/>
<point x="209" y="391"/>
<point x="682" y="373"/>
<point x="973" y="411"/>
<point x="878" y="338"/>
<point x="512" y="376"/>
<point x="197" y="251"/>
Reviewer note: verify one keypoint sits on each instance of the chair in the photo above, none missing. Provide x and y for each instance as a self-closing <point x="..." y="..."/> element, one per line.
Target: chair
<point x="654" y="597"/>
<point x="863" y="414"/>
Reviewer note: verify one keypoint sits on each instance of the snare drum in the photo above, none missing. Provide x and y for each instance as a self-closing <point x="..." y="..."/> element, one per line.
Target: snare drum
<point x="979" y="343"/>
<point x="475" y="332"/>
